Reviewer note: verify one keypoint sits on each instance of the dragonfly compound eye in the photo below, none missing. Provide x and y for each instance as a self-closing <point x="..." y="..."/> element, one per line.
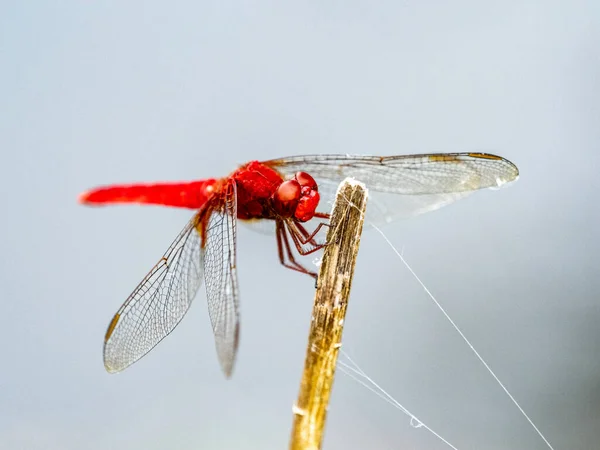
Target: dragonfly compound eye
<point x="285" y="198"/>
<point x="307" y="182"/>
<point x="309" y="198"/>
<point x="307" y="205"/>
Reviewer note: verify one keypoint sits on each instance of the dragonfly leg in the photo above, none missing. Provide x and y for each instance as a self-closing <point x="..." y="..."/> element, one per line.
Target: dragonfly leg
<point x="284" y="250"/>
<point x="304" y="243"/>
<point x="307" y="237"/>
<point x="302" y="237"/>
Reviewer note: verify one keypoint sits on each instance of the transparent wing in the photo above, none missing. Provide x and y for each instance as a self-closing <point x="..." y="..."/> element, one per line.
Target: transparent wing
<point x="265" y="227"/>
<point x="405" y="185"/>
<point x="220" y="274"/>
<point x="158" y="303"/>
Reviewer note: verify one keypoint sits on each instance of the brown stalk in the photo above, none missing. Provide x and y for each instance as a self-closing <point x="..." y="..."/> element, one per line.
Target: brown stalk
<point x="328" y="315"/>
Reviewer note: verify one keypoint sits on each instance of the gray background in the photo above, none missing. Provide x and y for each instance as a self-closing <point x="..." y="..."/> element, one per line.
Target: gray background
<point x="99" y="92"/>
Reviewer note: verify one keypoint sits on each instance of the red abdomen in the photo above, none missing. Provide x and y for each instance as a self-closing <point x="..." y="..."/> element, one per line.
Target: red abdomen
<point x="192" y="194"/>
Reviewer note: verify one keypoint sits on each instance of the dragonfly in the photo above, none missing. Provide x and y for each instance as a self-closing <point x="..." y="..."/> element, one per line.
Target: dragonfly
<point x="288" y="193"/>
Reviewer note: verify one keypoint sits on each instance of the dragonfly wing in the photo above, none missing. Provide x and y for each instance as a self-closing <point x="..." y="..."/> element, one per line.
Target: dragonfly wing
<point x="219" y="249"/>
<point x="158" y="303"/>
<point x="266" y="227"/>
<point x="385" y="207"/>
<point x="405" y="185"/>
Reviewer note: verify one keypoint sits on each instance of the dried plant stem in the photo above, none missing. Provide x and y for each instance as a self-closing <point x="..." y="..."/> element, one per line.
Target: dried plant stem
<point x="329" y="311"/>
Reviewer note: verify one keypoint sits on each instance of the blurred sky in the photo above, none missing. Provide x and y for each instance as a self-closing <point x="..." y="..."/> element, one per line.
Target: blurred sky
<point x="99" y="92"/>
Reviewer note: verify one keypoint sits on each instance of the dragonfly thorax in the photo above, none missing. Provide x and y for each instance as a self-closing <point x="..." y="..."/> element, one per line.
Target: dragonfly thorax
<point x="297" y="197"/>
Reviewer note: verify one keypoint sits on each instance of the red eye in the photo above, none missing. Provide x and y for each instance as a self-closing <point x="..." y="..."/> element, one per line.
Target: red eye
<point x="286" y="198"/>
<point x="307" y="205"/>
<point x="309" y="197"/>
<point x="305" y="180"/>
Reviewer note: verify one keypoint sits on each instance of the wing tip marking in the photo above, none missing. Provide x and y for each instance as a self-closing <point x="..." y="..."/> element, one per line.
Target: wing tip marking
<point x="111" y="328"/>
<point x="110" y="369"/>
<point x="444" y="157"/>
<point x="485" y="156"/>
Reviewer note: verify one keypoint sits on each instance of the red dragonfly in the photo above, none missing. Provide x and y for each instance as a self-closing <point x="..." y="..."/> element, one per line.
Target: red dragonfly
<point x="286" y="192"/>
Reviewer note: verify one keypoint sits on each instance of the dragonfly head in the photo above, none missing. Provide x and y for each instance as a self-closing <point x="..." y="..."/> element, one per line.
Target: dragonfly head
<point x="298" y="197"/>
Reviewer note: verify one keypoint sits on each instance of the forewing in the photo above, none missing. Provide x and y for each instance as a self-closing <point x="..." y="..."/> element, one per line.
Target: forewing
<point x="220" y="274"/>
<point x="158" y="303"/>
<point x="405" y="185"/>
